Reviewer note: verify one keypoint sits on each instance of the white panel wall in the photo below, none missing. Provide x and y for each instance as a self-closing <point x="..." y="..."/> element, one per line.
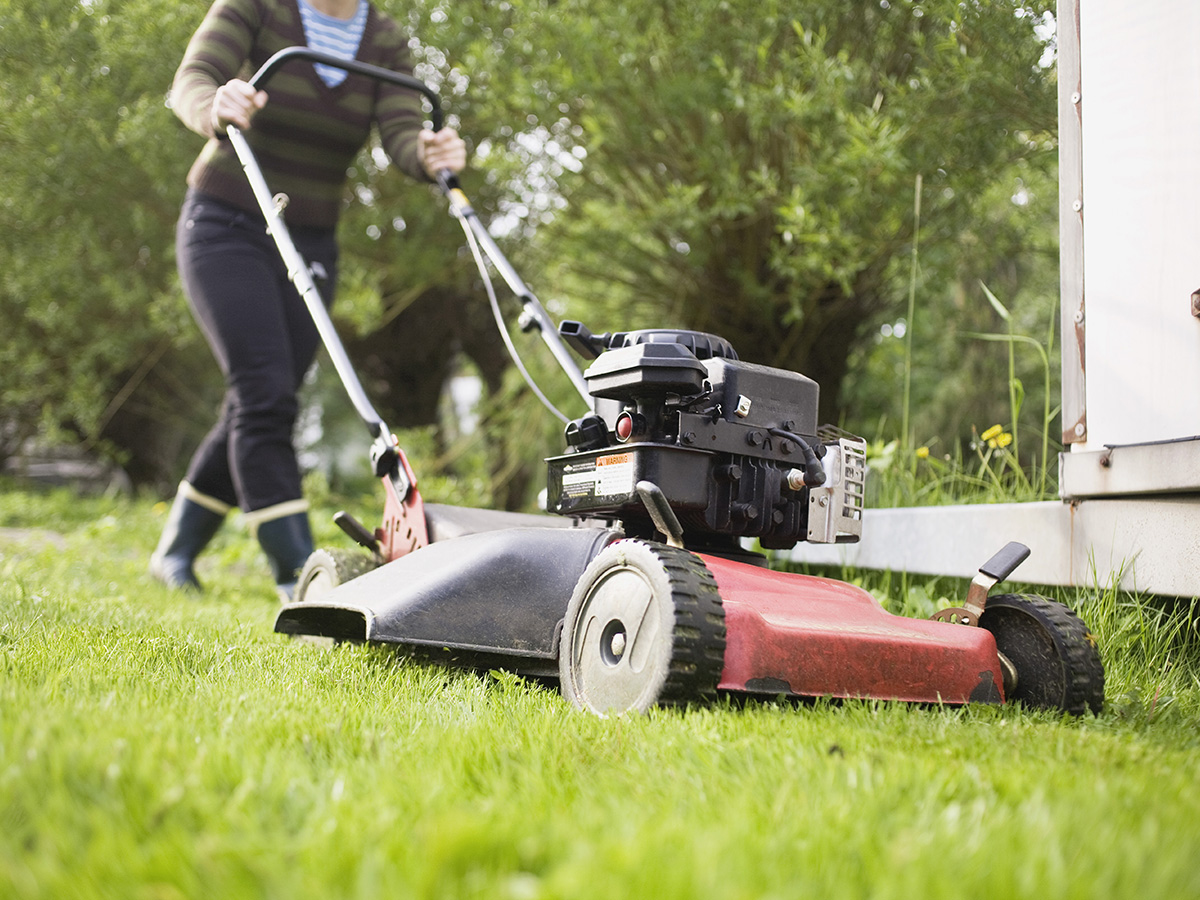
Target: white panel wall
<point x="1140" y="79"/>
<point x="1129" y="130"/>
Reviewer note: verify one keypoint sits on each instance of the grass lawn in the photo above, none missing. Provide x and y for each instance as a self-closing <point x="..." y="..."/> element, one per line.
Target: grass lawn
<point x="153" y="746"/>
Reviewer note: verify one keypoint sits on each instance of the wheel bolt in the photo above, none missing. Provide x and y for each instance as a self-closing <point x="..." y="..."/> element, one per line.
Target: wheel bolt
<point x="618" y="644"/>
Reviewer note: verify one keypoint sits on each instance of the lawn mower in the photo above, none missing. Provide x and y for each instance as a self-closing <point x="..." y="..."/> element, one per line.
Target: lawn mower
<point x="647" y="581"/>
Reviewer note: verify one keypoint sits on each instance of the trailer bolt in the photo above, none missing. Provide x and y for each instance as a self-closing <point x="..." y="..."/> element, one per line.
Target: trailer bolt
<point x="689" y="437"/>
<point x="754" y="438"/>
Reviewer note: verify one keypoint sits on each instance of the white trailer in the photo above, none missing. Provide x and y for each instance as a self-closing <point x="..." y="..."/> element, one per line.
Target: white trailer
<point x="1129" y="213"/>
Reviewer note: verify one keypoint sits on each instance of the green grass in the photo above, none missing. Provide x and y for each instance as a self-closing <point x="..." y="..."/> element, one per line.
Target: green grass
<point x="158" y="747"/>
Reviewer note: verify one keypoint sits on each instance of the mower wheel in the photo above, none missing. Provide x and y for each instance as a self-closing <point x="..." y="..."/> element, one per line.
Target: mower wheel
<point x="645" y="625"/>
<point x="326" y="569"/>
<point x="1053" y="652"/>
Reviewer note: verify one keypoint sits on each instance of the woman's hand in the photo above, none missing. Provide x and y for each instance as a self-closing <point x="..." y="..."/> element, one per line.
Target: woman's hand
<point x="438" y="150"/>
<point x="235" y="104"/>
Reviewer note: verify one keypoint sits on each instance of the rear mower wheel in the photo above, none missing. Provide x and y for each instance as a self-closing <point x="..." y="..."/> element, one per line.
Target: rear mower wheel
<point x="326" y="569"/>
<point x="645" y="625"/>
<point x="1054" y="653"/>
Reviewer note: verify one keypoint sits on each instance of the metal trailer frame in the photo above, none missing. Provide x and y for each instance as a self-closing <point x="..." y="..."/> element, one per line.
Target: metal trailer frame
<point x="1129" y="126"/>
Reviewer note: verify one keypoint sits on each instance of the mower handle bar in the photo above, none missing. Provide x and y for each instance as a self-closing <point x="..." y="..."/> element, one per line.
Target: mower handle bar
<point x="378" y="73"/>
<point x="535" y="316"/>
<point x="383" y="450"/>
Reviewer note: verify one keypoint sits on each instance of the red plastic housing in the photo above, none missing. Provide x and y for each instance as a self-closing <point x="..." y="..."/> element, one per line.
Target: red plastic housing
<point x="403" y="529"/>
<point x="816" y="637"/>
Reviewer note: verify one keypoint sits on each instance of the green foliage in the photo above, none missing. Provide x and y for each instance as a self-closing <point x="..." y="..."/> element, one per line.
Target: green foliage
<point x="91" y="168"/>
<point x="647" y="161"/>
<point x="756" y="181"/>
<point x="955" y="346"/>
<point x="152" y="745"/>
<point x="987" y="472"/>
<point x="98" y="346"/>
<point x="992" y="470"/>
<point x="663" y="168"/>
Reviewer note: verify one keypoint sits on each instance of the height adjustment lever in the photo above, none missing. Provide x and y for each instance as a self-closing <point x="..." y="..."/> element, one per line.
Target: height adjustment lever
<point x="991" y="573"/>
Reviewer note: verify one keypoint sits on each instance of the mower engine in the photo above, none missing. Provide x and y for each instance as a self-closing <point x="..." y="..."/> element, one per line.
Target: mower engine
<point x="733" y="447"/>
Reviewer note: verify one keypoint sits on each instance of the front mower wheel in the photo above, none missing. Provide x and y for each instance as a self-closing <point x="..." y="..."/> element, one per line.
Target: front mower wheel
<point x="645" y="625"/>
<point x="1053" y="652"/>
<point x="326" y="569"/>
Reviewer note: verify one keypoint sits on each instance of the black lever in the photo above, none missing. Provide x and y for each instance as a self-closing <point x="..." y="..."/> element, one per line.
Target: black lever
<point x="581" y="340"/>
<point x="1006" y="561"/>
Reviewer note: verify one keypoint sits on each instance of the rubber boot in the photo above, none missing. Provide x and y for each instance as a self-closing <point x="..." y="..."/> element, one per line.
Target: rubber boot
<point x="190" y="526"/>
<point x="287" y="541"/>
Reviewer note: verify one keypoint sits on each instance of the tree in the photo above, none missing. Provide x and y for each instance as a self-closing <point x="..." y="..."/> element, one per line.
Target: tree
<point x="99" y="347"/>
<point x="737" y="166"/>
<point x="89" y="191"/>
<point x="749" y="164"/>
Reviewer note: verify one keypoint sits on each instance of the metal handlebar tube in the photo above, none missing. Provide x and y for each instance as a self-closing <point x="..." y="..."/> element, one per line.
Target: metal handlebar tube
<point x="383" y="449"/>
<point x="533" y="311"/>
<point x="384" y="454"/>
<point x="281" y="58"/>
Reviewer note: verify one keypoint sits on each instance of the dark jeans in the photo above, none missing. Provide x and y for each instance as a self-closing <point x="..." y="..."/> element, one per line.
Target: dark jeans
<point x="263" y="339"/>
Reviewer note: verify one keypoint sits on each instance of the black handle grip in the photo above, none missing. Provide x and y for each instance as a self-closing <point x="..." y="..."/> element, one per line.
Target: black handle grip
<point x="378" y="73"/>
<point x="581" y="339"/>
<point x="1003" y="563"/>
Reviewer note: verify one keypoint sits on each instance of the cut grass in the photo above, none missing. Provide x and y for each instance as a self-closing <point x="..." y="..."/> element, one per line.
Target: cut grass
<point x="152" y="746"/>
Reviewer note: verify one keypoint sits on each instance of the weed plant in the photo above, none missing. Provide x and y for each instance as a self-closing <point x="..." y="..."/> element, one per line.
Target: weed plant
<point x="160" y="746"/>
<point x="992" y="470"/>
<point x="987" y="470"/>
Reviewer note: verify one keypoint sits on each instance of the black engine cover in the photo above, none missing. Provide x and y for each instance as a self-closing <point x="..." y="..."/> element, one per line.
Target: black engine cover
<point x="719" y="437"/>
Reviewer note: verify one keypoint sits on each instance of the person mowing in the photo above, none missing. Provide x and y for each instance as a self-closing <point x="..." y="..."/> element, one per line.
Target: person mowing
<point x="306" y="133"/>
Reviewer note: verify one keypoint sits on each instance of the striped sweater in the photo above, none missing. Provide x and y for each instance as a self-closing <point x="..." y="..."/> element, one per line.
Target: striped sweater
<point x="308" y="134"/>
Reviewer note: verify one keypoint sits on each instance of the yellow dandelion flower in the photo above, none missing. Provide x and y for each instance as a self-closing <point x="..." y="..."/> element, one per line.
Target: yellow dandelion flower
<point x="991" y="434"/>
<point x="1003" y="439"/>
<point x="922" y="453"/>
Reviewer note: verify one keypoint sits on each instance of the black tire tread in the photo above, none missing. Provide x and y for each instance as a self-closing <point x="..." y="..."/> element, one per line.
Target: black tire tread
<point x="1074" y="642"/>
<point x="345" y="565"/>
<point x="698" y="639"/>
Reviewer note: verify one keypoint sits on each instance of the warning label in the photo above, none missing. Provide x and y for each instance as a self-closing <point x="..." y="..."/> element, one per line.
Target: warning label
<point x="614" y="475"/>
<point x="607" y="476"/>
